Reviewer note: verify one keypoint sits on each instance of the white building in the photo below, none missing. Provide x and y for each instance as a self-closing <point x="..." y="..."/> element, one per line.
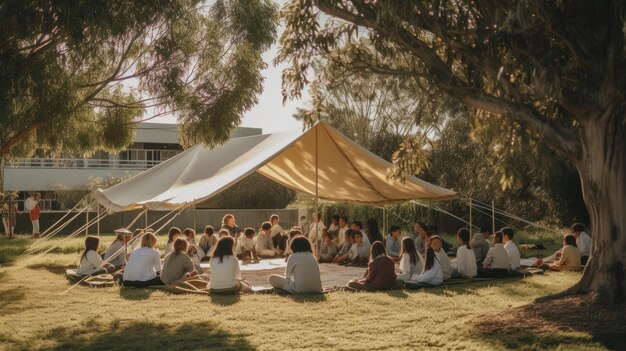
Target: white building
<point x="154" y="143"/>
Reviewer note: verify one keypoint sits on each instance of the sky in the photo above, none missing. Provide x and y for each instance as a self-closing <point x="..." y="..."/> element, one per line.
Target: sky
<point x="269" y="114"/>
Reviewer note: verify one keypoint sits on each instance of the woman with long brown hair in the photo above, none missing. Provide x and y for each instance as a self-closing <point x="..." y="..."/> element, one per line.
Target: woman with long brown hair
<point x="411" y="263"/>
<point x="177" y="266"/>
<point x="225" y="272"/>
<point x="431" y="275"/>
<point x="380" y="274"/>
<point x="91" y="262"/>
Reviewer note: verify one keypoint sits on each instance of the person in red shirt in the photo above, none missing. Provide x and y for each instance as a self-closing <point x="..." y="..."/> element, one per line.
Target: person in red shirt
<point x="380" y="274"/>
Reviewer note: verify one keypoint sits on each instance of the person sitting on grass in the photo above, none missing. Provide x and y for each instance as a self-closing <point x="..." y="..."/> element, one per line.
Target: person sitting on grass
<point x="177" y="265"/>
<point x="190" y="235"/>
<point x="225" y="271"/>
<point x="442" y="256"/>
<point x="497" y="263"/>
<point x="430" y="275"/>
<point x="419" y="230"/>
<point x="333" y="228"/>
<point x="357" y="226"/>
<point x="135" y="241"/>
<point x="480" y="244"/>
<point x="222" y="233"/>
<point x="115" y="254"/>
<point x="393" y="243"/>
<point x="411" y="263"/>
<point x="465" y="266"/>
<point x="570" y="256"/>
<point x="245" y="248"/>
<point x="207" y="242"/>
<point x="583" y="243"/>
<point x="373" y="232"/>
<point x="91" y="262"/>
<point x="302" y="275"/>
<point x="359" y="252"/>
<point x="511" y="248"/>
<point x="144" y="265"/>
<point x="434" y="230"/>
<point x="278" y="234"/>
<point x="264" y="245"/>
<point x="328" y="250"/>
<point x="293" y="232"/>
<point x="228" y="223"/>
<point x="344" y="250"/>
<point x="380" y="273"/>
<point x="341" y="233"/>
<point x="173" y="234"/>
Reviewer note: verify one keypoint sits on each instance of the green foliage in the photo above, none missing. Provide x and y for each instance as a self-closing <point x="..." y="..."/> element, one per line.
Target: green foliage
<point x="254" y="191"/>
<point x="77" y="76"/>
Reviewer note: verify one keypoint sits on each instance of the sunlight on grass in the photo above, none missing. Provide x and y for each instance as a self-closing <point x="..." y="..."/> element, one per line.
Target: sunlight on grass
<point x="35" y="316"/>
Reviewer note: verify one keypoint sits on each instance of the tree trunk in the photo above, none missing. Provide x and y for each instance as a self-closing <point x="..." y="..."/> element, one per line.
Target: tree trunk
<point x="602" y="170"/>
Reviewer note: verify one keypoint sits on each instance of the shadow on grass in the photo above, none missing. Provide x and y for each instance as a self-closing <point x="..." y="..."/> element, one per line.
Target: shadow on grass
<point x="11" y="249"/>
<point x="564" y="323"/>
<point x="9" y="298"/>
<point x="55" y="268"/>
<point x="135" y="294"/>
<point x="147" y="336"/>
<point x="224" y="300"/>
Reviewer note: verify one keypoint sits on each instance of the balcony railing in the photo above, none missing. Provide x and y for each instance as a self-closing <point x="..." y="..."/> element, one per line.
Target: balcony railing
<point x="81" y="163"/>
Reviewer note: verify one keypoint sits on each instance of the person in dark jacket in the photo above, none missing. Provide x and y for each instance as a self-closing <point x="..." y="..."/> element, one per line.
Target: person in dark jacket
<point x="380" y="274"/>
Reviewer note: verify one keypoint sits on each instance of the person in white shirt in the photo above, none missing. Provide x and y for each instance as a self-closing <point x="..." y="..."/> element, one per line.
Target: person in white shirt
<point x="207" y="242"/>
<point x="302" y="275"/>
<point x="115" y="254"/>
<point x="225" y="271"/>
<point x="432" y="273"/>
<point x="442" y="256"/>
<point x="411" y="263"/>
<point x="333" y="228"/>
<point x="343" y="229"/>
<point x="264" y="245"/>
<point x="316" y="230"/>
<point x="31" y="205"/>
<point x="144" y="265"/>
<point x="465" y="264"/>
<point x="359" y="252"/>
<point x="278" y="234"/>
<point x="510" y="247"/>
<point x="328" y="250"/>
<point x="357" y="226"/>
<point x="583" y="242"/>
<point x="497" y="262"/>
<point x="90" y="262"/>
<point x="245" y="248"/>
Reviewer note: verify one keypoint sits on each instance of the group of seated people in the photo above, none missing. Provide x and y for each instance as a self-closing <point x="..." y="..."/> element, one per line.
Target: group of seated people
<point x="398" y="262"/>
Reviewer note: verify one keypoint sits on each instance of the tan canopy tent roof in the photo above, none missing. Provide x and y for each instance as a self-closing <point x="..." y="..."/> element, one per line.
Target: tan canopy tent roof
<point x="345" y="172"/>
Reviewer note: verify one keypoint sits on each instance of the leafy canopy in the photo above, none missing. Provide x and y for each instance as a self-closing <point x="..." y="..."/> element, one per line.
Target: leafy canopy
<point x="77" y="75"/>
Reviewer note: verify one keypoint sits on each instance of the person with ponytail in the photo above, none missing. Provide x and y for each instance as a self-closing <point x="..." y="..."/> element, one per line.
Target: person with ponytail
<point x="465" y="266"/>
<point x="91" y="262"/>
<point x="411" y="263"/>
<point x="177" y="265"/>
<point x="380" y="274"/>
<point x="144" y="265"/>
<point x="431" y="275"/>
<point x="225" y="271"/>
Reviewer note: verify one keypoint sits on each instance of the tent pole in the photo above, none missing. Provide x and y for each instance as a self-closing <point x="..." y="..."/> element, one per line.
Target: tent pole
<point x="194" y="217"/>
<point x="146" y="219"/>
<point x="317" y="207"/>
<point x="493" y="217"/>
<point x="98" y="216"/>
<point x="470" y="214"/>
<point x="87" y="221"/>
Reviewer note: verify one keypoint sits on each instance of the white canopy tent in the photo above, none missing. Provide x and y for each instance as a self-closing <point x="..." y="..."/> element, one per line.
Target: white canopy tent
<point x="320" y="161"/>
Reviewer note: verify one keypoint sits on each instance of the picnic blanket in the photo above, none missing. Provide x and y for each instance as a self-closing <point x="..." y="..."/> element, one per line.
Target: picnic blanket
<point x="96" y="281"/>
<point x="521" y="273"/>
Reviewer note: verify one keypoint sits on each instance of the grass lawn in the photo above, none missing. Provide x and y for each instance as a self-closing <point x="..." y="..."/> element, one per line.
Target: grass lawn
<point x="34" y="314"/>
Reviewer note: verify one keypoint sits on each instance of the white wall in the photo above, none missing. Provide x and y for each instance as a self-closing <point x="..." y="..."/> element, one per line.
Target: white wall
<point x="41" y="179"/>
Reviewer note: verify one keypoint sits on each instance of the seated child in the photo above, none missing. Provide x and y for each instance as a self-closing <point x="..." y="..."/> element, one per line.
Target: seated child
<point x="225" y="271"/>
<point x="570" y="256"/>
<point x="207" y="242"/>
<point x="91" y="262"/>
<point x="278" y="234"/>
<point x="380" y="273"/>
<point x="245" y="249"/>
<point x="344" y="250"/>
<point x="442" y="257"/>
<point x="190" y="235"/>
<point x="171" y="237"/>
<point x="359" y="252"/>
<point x="465" y="266"/>
<point x="328" y="250"/>
<point x="431" y="275"/>
<point x="144" y="265"/>
<point x="264" y="245"/>
<point x="302" y="275"/>
<point x="192" y="252"/>
<point x="497" y="263"/>
<point x="393" y="243"/>
<point x="411" y="263"/>
<point x="115" y="254"/>
<point x="177" y="265"/>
